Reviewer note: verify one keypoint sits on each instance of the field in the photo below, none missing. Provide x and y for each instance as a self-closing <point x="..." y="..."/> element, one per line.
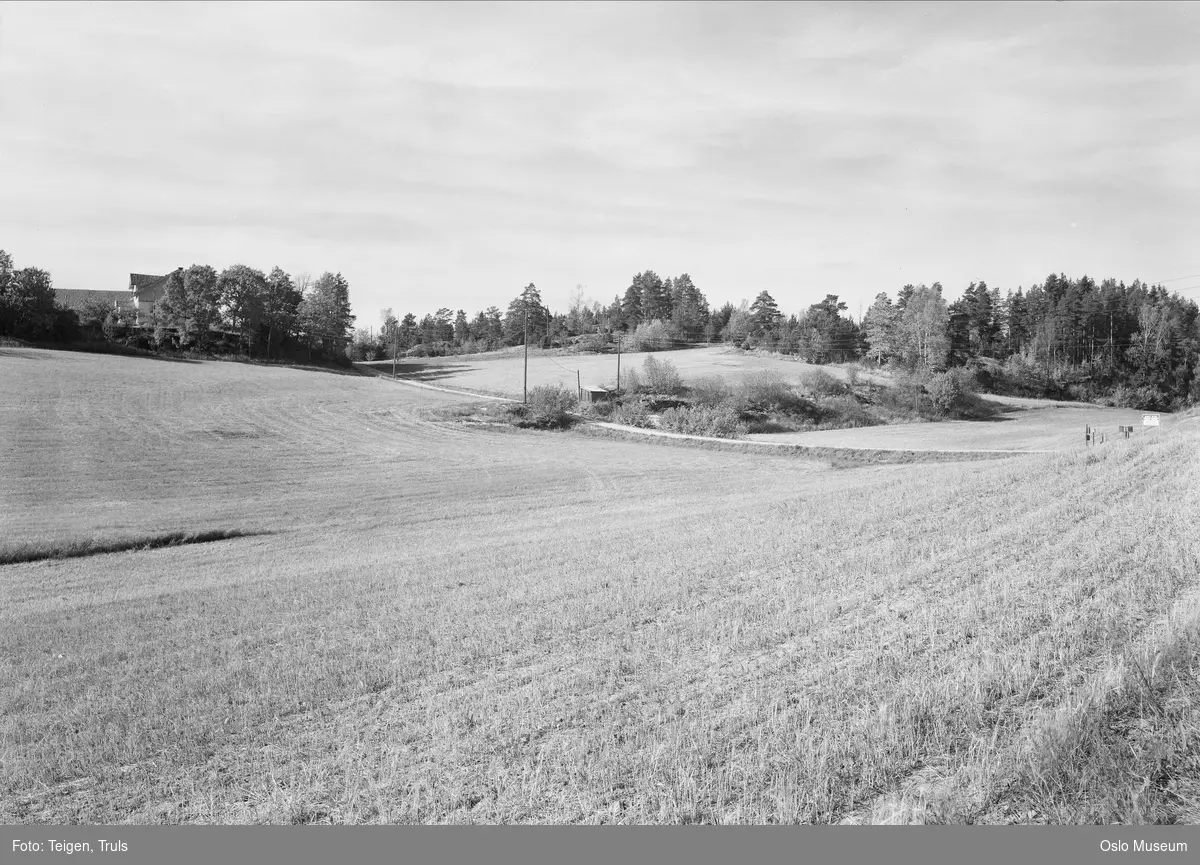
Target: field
<point x="1021" y="425"/>
<point x="502" y="373"/>
<point x="409" y="619"/>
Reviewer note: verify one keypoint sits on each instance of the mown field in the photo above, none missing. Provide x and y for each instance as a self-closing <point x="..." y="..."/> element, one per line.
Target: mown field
<point x="1020" y="428"/>
<point x="427" y="622"/>
<point x="503" y="373"/>
<point x="1019" y="424"/>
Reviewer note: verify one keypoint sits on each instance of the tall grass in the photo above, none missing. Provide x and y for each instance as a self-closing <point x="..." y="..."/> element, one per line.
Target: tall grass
<point x="73" y="549"/>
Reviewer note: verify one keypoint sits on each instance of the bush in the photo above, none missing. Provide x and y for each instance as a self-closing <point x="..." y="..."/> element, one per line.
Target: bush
<point x="817" y="382"/>
<point x="630" y="382"/>
<point x="710" y="391"/>
<point x="114" y="327"/>
<point x="631" y="413"/>
<point x="947" y="392"/>
<point x="852" y="375"/>
<point x="764" y="390"/>
<point x="661" y="376"/>
<point x="549" y="407"/>
<point x="1144" y="398"/>
<point x="703" y="420"/>
<point x="593" y="342"/>
<point x="842" y="412"/>
<point x="650" y="336"/>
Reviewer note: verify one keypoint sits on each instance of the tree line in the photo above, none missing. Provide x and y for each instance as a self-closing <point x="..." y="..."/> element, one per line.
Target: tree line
<point x="1135" y="345"/>
<point x="237" y="310"/>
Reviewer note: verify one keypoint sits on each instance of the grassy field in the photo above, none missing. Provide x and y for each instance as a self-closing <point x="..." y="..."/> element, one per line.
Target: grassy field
<point x="1021" y="429"/>
<point x="413" y="620"/>
<point x="1021" y="425"/>
<point x="502" y="373"/>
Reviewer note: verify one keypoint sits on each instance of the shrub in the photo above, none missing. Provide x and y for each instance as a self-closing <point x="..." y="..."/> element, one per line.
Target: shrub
<point x="593" y="342"/>
<point x="650" y="336"/>
<point x="632" y="413"/>
<point x="967" y="378"/>
<point x="946" y="391"/>
<point x="845" y="411"/>
<point x="820" y="383"/>
<point x="661" y="376"/>
<point x="711" y="391"/>
<point x="630" y="382"/>
<point x="114" y="327"/>
<point x="716" y="421"/>
<point x="1145" y="398"/>
<point x="601" y="410"/>
<point x="852" y="375"/>
<point x="764" y="390"/>
<point x="549" y="407"/>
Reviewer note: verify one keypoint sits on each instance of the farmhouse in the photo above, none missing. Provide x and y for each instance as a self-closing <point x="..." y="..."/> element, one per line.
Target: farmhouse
<point x="147" y="291"/>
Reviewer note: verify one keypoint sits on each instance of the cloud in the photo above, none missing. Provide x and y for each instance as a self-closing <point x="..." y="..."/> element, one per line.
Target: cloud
<point x="449" y="148"/>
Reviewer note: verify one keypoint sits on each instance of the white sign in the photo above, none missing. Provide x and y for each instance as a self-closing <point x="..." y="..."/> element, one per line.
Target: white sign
<point x="1149" y="420"/>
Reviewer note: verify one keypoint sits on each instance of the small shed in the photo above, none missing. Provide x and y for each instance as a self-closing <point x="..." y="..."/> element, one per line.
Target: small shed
<point x="595" y="394"/>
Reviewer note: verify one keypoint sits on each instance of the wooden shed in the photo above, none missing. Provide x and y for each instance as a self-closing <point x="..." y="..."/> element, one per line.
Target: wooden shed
<point x="595" y="394"/>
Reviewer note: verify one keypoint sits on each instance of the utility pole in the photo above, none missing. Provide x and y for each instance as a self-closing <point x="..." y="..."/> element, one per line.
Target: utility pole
<point x="395" y="347"/>
<point x="578" y="385"/>
<point x="525" y="386"/>
<point x="618" y="364"/>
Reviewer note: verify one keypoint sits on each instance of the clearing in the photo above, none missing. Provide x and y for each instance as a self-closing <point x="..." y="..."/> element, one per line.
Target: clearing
<point x="414" y="620"/>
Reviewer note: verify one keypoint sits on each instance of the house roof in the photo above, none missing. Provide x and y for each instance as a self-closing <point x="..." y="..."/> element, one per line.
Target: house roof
<point x="78" y="298"/>
<point x="137" y="280"/>
<point x="141" y="282"/>
<point x="596" y="389"/>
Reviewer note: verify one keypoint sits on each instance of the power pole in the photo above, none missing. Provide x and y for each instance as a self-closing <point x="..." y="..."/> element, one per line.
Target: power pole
<point x="525" y="386"/>
<point x="618" y="364"/>
<point x="395" y="348"/>
<point x="578" y="385"/>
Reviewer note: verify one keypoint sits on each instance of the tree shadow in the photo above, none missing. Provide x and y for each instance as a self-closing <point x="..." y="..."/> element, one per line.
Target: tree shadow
<point x="36" y="351"/>
<point x="423" y="372"/>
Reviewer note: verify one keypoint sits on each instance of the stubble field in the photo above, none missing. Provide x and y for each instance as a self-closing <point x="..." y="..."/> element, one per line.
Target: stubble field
<point x="414" y="620"/>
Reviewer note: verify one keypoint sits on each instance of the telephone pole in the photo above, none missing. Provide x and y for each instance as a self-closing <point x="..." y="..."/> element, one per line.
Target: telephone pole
<point x="618" y="364"/>
<point x="525" y="386"/>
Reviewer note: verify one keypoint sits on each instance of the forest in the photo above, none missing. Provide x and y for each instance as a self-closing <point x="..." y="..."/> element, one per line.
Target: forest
<point x="1134" y="345"/>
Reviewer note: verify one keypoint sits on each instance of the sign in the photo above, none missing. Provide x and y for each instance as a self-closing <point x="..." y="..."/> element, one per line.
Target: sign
<point x="1149" y="420"/>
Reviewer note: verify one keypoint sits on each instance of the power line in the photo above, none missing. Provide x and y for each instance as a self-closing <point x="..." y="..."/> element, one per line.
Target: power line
<point x="1179" y="278"/>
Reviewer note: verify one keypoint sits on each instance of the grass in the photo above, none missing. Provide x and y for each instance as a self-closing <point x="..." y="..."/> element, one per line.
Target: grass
<point x="458" y="624"/>
<point x="1004" y="423"/>
<point x="502" y="373"/>
<point x="79" y="548"/>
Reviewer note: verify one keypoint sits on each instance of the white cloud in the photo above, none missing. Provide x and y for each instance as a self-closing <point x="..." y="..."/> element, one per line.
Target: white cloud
<point x="450" y="153"/>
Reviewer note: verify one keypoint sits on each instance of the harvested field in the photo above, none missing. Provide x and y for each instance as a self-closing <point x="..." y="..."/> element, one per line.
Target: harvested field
<point x="439" y="623"/>
<point x="1021" y="428"/>
<point x="502" y="373"/>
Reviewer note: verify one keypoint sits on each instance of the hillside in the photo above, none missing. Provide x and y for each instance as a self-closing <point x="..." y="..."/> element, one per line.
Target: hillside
<point x="428" y="622"/>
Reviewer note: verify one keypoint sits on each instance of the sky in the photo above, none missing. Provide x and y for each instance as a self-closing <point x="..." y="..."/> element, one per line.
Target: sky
<point x="449" y="154"/>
